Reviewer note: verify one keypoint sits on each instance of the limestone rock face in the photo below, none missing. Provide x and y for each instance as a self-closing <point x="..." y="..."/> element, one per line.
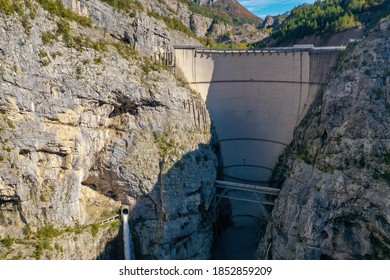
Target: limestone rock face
<point x="147" y="34"/>
<point x="83" y="130"/>
<point x="203" y="26"/>
<point x="200" y="25"/>
<point x="205" y="2"/>
<point x="268" y="22"/>
<point x="335" y="176"/>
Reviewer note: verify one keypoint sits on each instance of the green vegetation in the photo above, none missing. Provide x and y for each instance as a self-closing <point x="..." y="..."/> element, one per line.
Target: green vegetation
<point x="58" y="247"/>
<point x="304" y="155"/>
<point x="18" y="7"/>
<point x="48" y="231"/>
<point x="8" y="241"/>
<point x="125" y="51"/>
<point x="114" y="226"/>
<point x="210" y="43"/>
<point x="40" y="247"/>
<point x="330" y="16"/>
<point x="173" y="23"/>
<point x="9" y="7"/>
<point x="77" y="42"/>
<point x="7" y="148"/>
<point x="94" y="229"/>
<point x="43" y="198"/>
<point x="167" y="146"/>
<point x="44" y="238"/>
<point x="58" y="8"/>
<point x="27" y="230"/>
<point x="48" y="37"/>
<point x="225" y="11"/>
<point x="10" y="123"/>
<point x="128" y="6"/>
<point x="217" y="16"/>
<point x="149" y="66"/>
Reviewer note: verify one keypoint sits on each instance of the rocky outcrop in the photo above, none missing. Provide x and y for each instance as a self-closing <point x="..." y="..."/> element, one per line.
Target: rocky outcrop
<point x="87" y="124"/>
<point x="148" y="35"/>
<point x="200" y="25"/>
<point x="205" y="2"/>
<point x="219" y="31"/>
<point x="273" y="21"/>
<point x="335" y="176"/>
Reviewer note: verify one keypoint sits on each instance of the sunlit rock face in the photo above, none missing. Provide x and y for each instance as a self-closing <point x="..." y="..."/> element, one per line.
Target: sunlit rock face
<point x="335" y="176"/>
<point x="86" y="125"/>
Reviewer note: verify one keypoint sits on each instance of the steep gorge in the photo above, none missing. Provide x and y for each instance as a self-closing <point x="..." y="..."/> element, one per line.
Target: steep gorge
<point x="92" y="117"/>
<point x="86" y="124"/>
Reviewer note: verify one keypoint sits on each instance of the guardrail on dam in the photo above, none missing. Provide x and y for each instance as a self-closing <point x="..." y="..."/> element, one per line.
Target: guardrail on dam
<point x="256" y="98"/>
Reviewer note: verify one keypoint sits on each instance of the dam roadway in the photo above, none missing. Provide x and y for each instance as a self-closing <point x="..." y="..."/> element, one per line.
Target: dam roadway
<point x="256" y="99"/>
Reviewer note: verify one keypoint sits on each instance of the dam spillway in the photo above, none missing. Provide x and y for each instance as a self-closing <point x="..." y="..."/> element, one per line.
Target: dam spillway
<point x="256" y="98"/>
<point x="128" y="246"/>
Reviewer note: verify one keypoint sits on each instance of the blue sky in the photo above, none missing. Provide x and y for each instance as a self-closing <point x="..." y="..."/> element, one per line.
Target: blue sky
<point x="262" y="8"/>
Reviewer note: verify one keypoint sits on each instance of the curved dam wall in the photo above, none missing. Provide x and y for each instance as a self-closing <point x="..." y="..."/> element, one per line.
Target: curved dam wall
<point x="256" y="98"/>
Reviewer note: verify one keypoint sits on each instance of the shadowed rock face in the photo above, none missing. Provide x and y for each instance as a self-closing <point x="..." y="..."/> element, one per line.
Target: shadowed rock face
<point x="83" y="130"/>
<point x="335" y="177"/>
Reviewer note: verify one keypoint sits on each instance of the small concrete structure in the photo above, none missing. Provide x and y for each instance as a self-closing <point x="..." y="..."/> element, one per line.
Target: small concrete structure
<point x="124" y="210"/>
<point x="127" y="239"/>
<point x="256" y="98"/>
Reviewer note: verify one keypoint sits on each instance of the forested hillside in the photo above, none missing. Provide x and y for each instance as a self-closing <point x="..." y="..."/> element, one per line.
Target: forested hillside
<point x="329" y="17"/>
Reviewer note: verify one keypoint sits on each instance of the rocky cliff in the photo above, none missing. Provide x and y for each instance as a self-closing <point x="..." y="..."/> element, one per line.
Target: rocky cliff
<point x="86" y="123"/>
<point x="335" y="176"/>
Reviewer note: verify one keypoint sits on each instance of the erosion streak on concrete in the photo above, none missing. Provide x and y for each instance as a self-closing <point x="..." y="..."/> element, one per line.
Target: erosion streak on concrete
<point x="261" y="94"/>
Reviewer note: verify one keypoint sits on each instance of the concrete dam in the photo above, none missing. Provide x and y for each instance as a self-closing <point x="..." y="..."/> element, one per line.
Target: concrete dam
<point x="256" y="99"/>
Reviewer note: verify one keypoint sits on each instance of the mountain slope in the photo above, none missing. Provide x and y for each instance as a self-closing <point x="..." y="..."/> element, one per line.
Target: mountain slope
<point x="237" y="13"/>
<point x="228" y="11"/>
<point x="327" y="18"/>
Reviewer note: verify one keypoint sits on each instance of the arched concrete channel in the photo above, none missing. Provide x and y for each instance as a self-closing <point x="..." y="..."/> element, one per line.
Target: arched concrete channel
<point x="256" y="98"/>
<point x="127" y="238"/>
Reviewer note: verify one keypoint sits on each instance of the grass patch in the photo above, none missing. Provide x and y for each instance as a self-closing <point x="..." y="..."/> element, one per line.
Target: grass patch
<point x="304" y="155"/>
<point x="149" y="66"/>
<point x="57" y="8"/>
<point x="19" y="7"/>
<point x="8" y="241"/>
<point x="173" y="23"/>
<point x="9" y="7"/>
<point x="127" y="6"/>
<point x="48" y="231"/>
<point x="27" y="230"/>
<point x="114" y="226"/>
<point x="217" y="16"/>
<point x="167" y="146"/>
<point x="125" y="51"/>
<point x="48" y="37"/>
<point x="94" y="230"/>
<point x="10" y="123"/>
